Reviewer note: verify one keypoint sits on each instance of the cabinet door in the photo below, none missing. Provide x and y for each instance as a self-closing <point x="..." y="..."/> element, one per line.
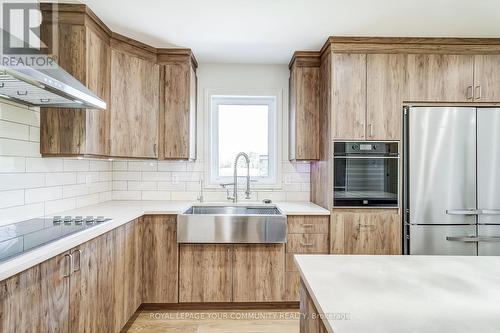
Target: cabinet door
<point x="440" y="78"/>
<point x="37" y="300"/>
<point x="179" y="111"/>
<point x="366" y="232"/>
<point x="160" y="259"/>
<point x="105" y="301"/>
<point x="487" y="78"/>
<point x="259" y="273"/>
<point x="84" y="288"/>
<point x="304" y="113"/>
<point x="386" y="91"/>
<point x="98" y="55"/>
<point x="205" y="273"/>
<point x="349" y="96"/>
<point x="132" y="284"/>
<point x="134" y="106"/>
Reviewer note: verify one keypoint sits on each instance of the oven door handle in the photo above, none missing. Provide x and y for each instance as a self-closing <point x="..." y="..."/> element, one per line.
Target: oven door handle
<point x="473" y="239"/>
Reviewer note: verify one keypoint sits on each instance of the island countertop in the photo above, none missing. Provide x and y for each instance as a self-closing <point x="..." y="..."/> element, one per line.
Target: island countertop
<point x="432" y="294"/>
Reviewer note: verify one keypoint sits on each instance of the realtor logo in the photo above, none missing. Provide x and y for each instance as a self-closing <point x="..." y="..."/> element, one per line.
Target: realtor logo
<point x="21" y="28"/>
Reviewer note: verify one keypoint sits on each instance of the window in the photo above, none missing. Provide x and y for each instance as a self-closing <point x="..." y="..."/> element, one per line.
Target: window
<point x="243" y="124"/>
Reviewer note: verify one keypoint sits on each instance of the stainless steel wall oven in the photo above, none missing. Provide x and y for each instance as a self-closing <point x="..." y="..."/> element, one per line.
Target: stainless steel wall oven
<point x="366" y="173"/>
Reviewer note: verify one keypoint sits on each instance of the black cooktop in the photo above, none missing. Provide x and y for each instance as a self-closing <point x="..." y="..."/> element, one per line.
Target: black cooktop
<point x="19" y="238"/>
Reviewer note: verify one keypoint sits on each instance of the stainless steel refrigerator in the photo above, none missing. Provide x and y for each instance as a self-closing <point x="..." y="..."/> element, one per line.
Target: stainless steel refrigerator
<point x="452" y="181"/>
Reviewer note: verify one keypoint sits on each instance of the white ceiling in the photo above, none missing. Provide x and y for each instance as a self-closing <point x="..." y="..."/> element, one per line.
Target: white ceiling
<point x="268" y="31"/>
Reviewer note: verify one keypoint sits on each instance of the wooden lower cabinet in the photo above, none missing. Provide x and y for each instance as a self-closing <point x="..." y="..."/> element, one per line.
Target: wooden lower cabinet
<point x="160" y="259"/>
<point x="132" y="279"/>
<point x="205" y="273"/>
<point x="37" y="300"/>
<point x="231" y="273"/>
<point x="366" y="232"/>
<point x="306" y="235"/>
<point x="310" y="321"/>
<point x="259" y="273"/>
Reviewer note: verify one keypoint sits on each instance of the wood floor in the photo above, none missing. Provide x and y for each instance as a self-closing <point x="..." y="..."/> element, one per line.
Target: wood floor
<point x="215" y="321"/>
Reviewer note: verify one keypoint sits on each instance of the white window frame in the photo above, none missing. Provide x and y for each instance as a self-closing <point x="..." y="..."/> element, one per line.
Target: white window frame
<point x="274" y="104"/>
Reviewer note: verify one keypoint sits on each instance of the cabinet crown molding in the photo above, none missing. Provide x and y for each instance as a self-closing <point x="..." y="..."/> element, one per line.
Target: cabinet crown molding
<point x="305" y="59"/>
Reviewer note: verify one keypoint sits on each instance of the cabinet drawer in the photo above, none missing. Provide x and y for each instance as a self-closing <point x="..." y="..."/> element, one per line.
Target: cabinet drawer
<point x="307" y="243"/>
<point x="308" y="224"/>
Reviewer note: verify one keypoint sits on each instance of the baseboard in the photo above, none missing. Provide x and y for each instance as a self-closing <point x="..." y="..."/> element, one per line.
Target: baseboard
<point x="221" y="306"/>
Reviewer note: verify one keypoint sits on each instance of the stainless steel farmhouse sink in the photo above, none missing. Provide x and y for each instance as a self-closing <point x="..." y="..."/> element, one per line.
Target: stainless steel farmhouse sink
<point x="231" y="224"/>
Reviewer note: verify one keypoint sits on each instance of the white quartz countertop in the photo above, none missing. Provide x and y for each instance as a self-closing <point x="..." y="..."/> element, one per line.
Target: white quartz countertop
<point x="414" y="294"/>
<point x="122" y="212"/>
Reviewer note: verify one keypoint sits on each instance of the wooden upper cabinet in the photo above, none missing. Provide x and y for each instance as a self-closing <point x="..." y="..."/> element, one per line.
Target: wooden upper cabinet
<point x="386" y="90"/>
<point x="304" y="107"/>
<point x="440" y="78"/>
<point x="366" y="232"/>
<point x="37" y="299"/>
<point x="349" y="96"/>
<point x="134" y="101"/>
<point x="205" y="273"/>
<point x="487" y="78"/>
<point x="177" y="104"/>
<point x="259" y="273"/>
<point x="82" y="47"/>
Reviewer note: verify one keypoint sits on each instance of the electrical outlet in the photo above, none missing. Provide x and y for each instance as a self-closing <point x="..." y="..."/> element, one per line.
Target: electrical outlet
<point x="175" y="179"/>
<point x="288" y="179"/>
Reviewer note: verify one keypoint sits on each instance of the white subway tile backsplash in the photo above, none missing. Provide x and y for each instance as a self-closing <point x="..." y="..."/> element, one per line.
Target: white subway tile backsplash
<point x="120" y="165"/>
<point x="60" y="178"/>
<point x="119" y="185"/>
<point x="76" y="165"/>
<point x="9" y="147"/>
<point x="11" y="198"/>
<point x="12" y="164"/>
<point x="44" y="165"/>
<point x="75" y="190"/>
<point x="142" y="165"/>
<point x="19" y="114"/>
<point x="142" y="186"/>
<point x="184" y="196"/>
<point x="126" y="195"/>
<point x="87" y="177"/>
<point x="156" y="195"/>
<point x="15" y="131"/>
<point x="156" y="176"/>
<point x="56" y="206"/>
<point x="98" y="165"/>
<point x="16" y="214"/>
<point x="43" y="194"/>
<point x="126" y="175"/>
<point x="297" y="196"/>
<point x="34" y="134"/>
<point x="87" y="200"/>
<point x="13" y="181"/>
<point x="169" y="186"/>
<point x="171" y="166"/>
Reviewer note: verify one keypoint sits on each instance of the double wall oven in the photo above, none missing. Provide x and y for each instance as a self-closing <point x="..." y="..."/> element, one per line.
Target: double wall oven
<point x="366" y="174"/>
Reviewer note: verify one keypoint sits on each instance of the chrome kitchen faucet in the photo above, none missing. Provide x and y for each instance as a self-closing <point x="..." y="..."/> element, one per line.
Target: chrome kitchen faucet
<point x="234" y="198"/>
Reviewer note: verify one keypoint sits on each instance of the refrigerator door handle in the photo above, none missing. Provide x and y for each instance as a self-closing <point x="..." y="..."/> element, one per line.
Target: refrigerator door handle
<point x="466" y="211"/>
<point x="473" y="239"/>
<point x="489" y="212"/>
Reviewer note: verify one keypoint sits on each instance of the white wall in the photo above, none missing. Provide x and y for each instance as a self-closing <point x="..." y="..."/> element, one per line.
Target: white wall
<point x="31" y="186"/>
<point x="144" y="180"/>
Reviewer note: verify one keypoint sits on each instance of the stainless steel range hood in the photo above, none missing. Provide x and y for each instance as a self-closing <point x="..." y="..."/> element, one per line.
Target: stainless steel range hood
<point x="52" y="87"/>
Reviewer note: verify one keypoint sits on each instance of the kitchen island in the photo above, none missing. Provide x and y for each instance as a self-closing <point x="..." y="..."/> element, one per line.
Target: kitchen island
<point x="386" y="294"/>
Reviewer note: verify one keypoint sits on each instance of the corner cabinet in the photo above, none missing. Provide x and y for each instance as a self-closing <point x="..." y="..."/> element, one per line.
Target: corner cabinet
<point x="82" y="47"/>
<point x="90" y="288"/>
<point x="177" y="104"/>
<point x="135" y="103"/>
<point x="304" y="107"/>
